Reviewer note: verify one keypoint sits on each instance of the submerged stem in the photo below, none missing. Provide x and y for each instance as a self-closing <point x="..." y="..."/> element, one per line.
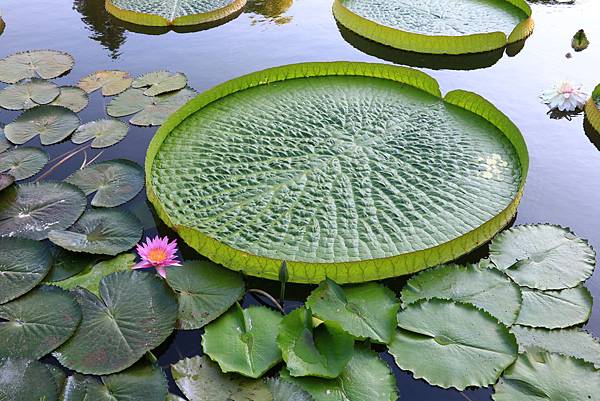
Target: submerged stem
<point x="267" y="295"/>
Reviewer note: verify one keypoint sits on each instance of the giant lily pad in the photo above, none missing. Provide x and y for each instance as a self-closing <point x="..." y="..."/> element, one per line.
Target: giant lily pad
<point x="592" y="109"/>
<point x="135" y="313"/>
<point x="205" y="291"/>
<point x="555" y="309"/>
<point x="159" y="82"/>
<point x="71" y="97"/>
<point x="100" y="231"/>
<point x="452" y="344"/>
<point x="26" y="379"/>
<point x="37" y="323"/>
<point x="541" y="376"/>
<point x="45" y="64"/>
<point x="111" y="82"/>
<point x="104" y="133"/>
<point x="51" y="123"/>
<point x="365" y="378"/>
<point x="480" y="285"/>
<point x="438" y="26"/>
<point x="243" y="340"/>
<point x="115" y="182"/>
<point x="32" y="210"/>
<point x="272" y="167"/>
<point x="23" y="162"/>
<point x="28" y="94"/>
<point x="23" y="264"/>
<point x="543" y="256"/>
<point x="173" y="12"/>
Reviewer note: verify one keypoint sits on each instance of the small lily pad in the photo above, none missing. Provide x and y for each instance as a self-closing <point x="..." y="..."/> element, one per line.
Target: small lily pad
<point x="451" y="344"/>
<point x="32" y="210"/>
<point x="51" y="123"/>
<point x="365" y="310"/>
<point x="26" y="379"/>
<point x="6" y="180"/>
<point x="38" y="322"/>
<point x="100" y="231"/>
<point x="243" y="340"/>
<point x="66" y="264"/>
<point x="27" y="94"/>
<point x="135" y="313"/>
<point x="115" y="182"/>
<point x="104" y="133"/>
<point x="72" y="97"/>
<point x="543" y="256"/>
<point x="45" y="64"/>
<point x="286" y="391"/>
<point x="23" y="162"/>
<point x="159" y="82"/>
<point x="205" y="291"/>
<point x="555" y="309"/>
<point x="23" y="264"/>
<point x="321" y="351"/>
<point x="111" y="82"/>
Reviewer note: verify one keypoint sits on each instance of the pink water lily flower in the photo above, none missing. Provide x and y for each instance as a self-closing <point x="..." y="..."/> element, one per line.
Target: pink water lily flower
<point x="158" y="253"/>
<point x="565" y="96"/>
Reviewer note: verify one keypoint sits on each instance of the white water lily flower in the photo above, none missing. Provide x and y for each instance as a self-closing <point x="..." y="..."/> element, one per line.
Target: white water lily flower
<point x="565" y="96"/>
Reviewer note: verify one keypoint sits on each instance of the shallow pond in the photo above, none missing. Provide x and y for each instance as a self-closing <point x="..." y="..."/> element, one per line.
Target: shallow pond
<point x="563" y="186"/>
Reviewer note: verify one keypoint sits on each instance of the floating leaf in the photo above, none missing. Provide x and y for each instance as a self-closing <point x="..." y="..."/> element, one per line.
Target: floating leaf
<point x="112" y="82"/>
<point x="45" y="64"/>
<point x="23" y="162"/>
<point x="115" y="182"/>
<point x="205" y="291"/>
<point x="555" y="309"/>
<point x="142" y="381"/>
<point x="51" y="123"/>
<point x="100" y="231"/>
<point x="543" y="256"/>
<point x="26" y="379"/>
<point x="321" y="351"/>
<point x="580" y="41"/>
<point x="23" y="264"/>
<point x="32" y="210"/>
<point x="37" y="323"/>
<point x="478" y="284"/>
<point x="148" y="110"/>
<point x="570" y="342"/>
<point x="6" y="180"/>
<point x="135" y="313"/>
<point x="4" y="144"/>
<point x="72" y="97"/>
<point x="452" y="344"/>
<point x="104" y="133"/>
<point x="66" y="264"/>
<point x="286" y="391"/>
<point x="365" y="378"/>
<point x="159" y="82"/>
<point x="243" y="340"/>
<point x="365" y="311"/>
<point x="28" y="94"/>
<point x="545" y="376"/>
<point x="200" y="379"/>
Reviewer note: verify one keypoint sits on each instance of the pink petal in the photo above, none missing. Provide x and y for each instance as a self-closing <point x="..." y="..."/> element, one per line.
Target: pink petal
<point x="161" y="271"/>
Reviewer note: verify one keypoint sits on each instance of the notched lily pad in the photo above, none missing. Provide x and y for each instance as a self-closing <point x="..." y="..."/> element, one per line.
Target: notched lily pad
<point x="555" y="309"/>
<point x="142" y="381"/>
<point x="26" y="379"/>
<point x="23" y="162"/>
<point x="45" y="64"/>
<point x="111" y="82"/>
<point x="159" y="82"/>
<point x="51" y="123"/>
<point x="71" y="97"/>
<point x="66" y="264"/>
<point x="104" y="133"/>
<point x="27" y="94"/>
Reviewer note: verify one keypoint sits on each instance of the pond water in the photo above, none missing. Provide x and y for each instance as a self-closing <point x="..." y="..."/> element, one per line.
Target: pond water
<point x="563" y="186"/>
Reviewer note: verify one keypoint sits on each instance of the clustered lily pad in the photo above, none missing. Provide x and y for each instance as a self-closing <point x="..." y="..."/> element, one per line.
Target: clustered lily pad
<point x="45" y="64"/>
<point x="71" y="97"/>
<point x="22" y="162"/>
<point x="27" y="94"/>
<point x="159" y="82"/>
<point x="104" y="133"/>
<point x="111" y="82"/>
<point x="555" y="309"/>
<point x="66" y="264"/>
<point x="51" y="123"/>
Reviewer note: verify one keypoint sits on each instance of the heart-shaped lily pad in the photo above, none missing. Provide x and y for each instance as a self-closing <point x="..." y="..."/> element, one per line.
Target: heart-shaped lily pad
<point x="26" y="379"/>
<point x="283" y="390"/>
<point x="143" y="381"/>
<point x="100" y="231"/>
<point x="115" y="182"/>
<point x="205" y="291"/>
<point x="104" y="133"/>
<point x="38" y="322"/>
<point x="6" y="180"/>
<point x="111" y="82"/>
<point x="23" y="162"/>
<point x="27" y="94"/>
<point x="51" y="123"/>
<point x="135" y="313"/>
<point x="555" y="309"/>
<point x="71" y="97"/>
<point x="32" y="210"/>
<point x="66" y="264"/>
<point x="23" y="264"/>
<point x="243" y="340"/>
<point x="45" y="64"/>
<point x="159" y="82"/>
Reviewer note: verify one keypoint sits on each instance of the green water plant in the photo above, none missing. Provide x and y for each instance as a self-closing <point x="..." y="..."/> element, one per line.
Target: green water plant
<point x="45" y="64"/>
<point x="71" y="97"/>
<point x="23" y="162"/>
<point x="111" y="82"/>
<point x="66" y="264"/>
<point x="555" y="309"/>
<point x="160" y="82"/>
<point x="26" y="379"/>
<point x="6" y="180"/>
<point x="52" y="123"/>
<point x="28" y="93"/>
<point x="103" y="133"/>
<point x="592" y="109"/>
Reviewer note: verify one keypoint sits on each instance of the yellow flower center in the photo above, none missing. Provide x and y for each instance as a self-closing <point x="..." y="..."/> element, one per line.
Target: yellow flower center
<point x="157" y="255"/>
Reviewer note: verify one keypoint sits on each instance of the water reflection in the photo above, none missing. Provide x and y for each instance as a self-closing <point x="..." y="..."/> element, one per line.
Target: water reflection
<point x="104" y="29"/>
<point x="269" y="11"/>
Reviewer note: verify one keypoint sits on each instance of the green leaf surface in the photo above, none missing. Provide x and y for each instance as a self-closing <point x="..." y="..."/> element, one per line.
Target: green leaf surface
<point x="135" y="313"/>
<point x="555" y="309"/>
<point x="452" y="344"/>
<point x="142" y="381"/>
<point x="37" y="323"/>
<point x="111" y="82"/>
<point x="66" y="264"/>
<point x="244" y="340"/>
<point x="366" y="311"/>
<point x="27" y="94"/>
<point x="23" y="264"/>
<point x="51" y="123"/>
<point x="26" y="380"/>
<point x="365" y="378"/>
<point x="286" y="391"/>
<point x="159" y="82"/>
<point x="100" y="231"/>
<point x="543" y="256"/>
<point x="45" y="64"/>
<point x="23" y="162"/>
<point x="4" y="144"/>
<point x="204" y="292"/>
<point x="476" y="284"/>
<point x="72" y="97"/>
<point x="104" y="133"/>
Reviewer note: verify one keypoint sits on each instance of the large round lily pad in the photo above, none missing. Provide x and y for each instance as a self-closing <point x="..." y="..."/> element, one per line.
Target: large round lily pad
<point x="23" y="162"/>
<point x="438" y="26"/>
<point x="72" y="97"/>
<point x="351" y="171"/>
<point x="555" y="309"/>
<point x="26" y="379"/>
<point x="173" y="12"/>
<point x="51" y="123"/>
<point x="104" y="133"/>
<point x="45" y="64"/>
<point x="27" y="94"/>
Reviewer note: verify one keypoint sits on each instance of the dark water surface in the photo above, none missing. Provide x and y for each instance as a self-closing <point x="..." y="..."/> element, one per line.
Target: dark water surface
<point x="564" y="179"/>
